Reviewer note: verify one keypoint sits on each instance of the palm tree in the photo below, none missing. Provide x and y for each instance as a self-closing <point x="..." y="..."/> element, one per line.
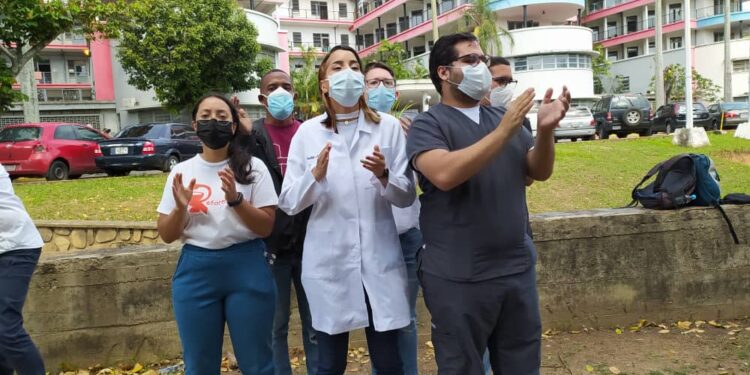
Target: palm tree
<point x="484" y="21"/>
<point x="305" y="80"/>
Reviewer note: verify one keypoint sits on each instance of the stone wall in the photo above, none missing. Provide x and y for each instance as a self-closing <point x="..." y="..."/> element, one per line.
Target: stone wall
<point x="62" y="236"/>
<point x="596" y="269"/>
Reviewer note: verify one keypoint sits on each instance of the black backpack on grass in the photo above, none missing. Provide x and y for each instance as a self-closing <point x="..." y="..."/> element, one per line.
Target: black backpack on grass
<point x="683" y="180"/>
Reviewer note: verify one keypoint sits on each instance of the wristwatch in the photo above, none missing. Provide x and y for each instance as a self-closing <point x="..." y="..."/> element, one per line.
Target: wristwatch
<point x="385" y="175"/>
<point x="235" y="202"/>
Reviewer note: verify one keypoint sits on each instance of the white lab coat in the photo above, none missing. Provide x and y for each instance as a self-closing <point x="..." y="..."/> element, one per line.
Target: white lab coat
<point x="351" y="237"/>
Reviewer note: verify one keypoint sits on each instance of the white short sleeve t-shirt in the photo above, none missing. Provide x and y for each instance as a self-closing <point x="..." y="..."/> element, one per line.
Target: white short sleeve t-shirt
<point x="17" y="231"/>
<point x="212" y="223"/>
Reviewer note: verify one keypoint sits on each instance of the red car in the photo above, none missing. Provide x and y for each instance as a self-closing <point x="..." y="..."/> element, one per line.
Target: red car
<point x="56" y="151"/>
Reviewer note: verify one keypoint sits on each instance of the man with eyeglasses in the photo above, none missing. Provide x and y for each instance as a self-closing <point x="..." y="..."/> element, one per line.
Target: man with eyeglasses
<point x="503" y="86"/>
<point x="477" y="267"/>
<point x="381" y="94"/>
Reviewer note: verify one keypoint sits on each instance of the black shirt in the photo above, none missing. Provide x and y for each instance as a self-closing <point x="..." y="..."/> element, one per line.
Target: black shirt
<point x="479" y="229"/>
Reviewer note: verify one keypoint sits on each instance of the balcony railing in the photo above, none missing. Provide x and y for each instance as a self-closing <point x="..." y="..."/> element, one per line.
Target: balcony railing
<point x="310" y="14"/>
<point x="317" y="47"/>
<point x="65" y="95"/>
<point x="634" y="27"/>
<point x="599" y="5"/>
<point x="70" y="38"/>
<point x="716" y="10"/>
<point x="443" y="6"/>
<point x="44" y="77"/>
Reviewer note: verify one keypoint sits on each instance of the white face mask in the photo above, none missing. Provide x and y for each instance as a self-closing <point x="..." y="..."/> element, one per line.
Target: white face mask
<point x="346" y="87"/>
<point x="501" y="97"/>
<point x="476" y="82"/>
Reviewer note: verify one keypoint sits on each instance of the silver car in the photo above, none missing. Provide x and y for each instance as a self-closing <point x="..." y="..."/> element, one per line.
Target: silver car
<point x="578" y="123"/>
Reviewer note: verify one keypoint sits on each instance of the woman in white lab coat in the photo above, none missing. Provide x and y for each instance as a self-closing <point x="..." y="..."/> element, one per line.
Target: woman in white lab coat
<point x="350" y="164"/>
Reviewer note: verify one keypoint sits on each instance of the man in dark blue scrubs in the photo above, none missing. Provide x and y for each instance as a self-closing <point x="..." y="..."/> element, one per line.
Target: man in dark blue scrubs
<point x="477" y="268"/>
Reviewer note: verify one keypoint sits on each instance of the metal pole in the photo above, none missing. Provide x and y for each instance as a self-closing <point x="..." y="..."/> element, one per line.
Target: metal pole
<point x="28" y="88"/>
<point x="659" y="63"/>
<point x="688" y="67"/>
<point x="435" y="34"/>
<point x="727" y="51"/>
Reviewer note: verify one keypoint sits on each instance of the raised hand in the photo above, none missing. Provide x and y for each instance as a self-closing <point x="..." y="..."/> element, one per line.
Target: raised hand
<point x="405" y="124"/>
<point x="182" y="194"/>
<point x="227" y="184"/>
<point x="375" y="163"/>
<point x="321" y="168"/>
<point x="552" y="112"/>
<point x="245" y="120"/>
<point x="517" y="110"/>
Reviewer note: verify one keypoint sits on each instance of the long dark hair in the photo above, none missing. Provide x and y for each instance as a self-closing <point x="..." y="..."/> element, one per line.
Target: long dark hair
<point x="330" y="121"/>
<point x="240" y="159"/>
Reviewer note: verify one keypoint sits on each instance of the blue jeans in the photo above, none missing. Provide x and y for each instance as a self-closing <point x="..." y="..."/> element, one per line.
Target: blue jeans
<point x="286" y="270"/>
<point x="411" y="242"/>
<point x="232" y="286"/>
<point x="17" y="351"/>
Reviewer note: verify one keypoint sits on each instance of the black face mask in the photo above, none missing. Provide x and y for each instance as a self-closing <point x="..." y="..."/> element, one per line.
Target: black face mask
<point x="213" y="133"/>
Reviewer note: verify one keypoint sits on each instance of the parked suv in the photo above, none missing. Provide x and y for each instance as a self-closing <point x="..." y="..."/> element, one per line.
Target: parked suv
<point x="622" y="115"/>
<point x="56" y="151"/>
<point x="148" y="147"/>
<point x="672" y="116"/>
<point x="734" y="113"/>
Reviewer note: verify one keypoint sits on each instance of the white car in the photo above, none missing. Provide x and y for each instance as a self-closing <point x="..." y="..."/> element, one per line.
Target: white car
<point x="578" y="123"/>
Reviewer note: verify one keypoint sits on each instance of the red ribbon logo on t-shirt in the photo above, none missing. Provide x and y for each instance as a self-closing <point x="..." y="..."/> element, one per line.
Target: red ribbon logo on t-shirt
<point x="201" y="193"/>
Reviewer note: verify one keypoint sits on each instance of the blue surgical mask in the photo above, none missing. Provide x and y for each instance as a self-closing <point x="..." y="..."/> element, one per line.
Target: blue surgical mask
<point x="477" y="81"/>
<point x="346" y="87"/>
<point x="280" y="104"/>
<point x="381" y="98"/>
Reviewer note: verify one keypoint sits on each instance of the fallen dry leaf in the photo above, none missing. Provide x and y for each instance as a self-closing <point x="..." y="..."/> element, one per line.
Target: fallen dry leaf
<point x="614" y="370"/>
<point x="684" y="325"/>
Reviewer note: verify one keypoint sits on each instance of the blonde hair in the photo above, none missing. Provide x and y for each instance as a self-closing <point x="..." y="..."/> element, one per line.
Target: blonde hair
<point x="330" y="120"/>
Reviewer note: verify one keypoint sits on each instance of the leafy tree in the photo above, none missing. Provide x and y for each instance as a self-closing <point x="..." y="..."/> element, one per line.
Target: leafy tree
<point x="600" y="66"/>
<point x="674" y="85"/>
<point x="183" y="49"/>
<point x="7" y="95"/>
<point x="483" y="20"/>
<point x="27" y="26"/>
<point x="393" y="55"/>
<point x="305" y="80"/>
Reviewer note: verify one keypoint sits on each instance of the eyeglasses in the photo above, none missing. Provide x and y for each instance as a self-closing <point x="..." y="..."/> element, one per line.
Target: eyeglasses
<point x="505" y="82"/>
<point x="373" y="83"/>
<point x="473" y="59"/>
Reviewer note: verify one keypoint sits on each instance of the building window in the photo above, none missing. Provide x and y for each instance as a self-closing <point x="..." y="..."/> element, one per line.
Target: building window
<point x="418" y="50"/>
<point x="651" y="18"/>
<point x="321" y="41"/>
<point x="612" y="29"/>
<point x="675" y="42"/>
<point x="740" y="66"/>
<point x="403" y="23"/>
<point x="296" y="39"/>
<point x="632" y="52"/>
<point x="718" y="36"/>
<point x="651" y="44"/>
<point x="369" y="39"/>
<point x="520" y="64"/>
<point x="416" y="17"/>
<point x="632" y="23"/>
<point x="345" y="40"/>
<point x="675" y="13"/>
<point x="612" y="55"/>
<point x="295" y="5"/>
<point x="342" y="10"/>
<point x="78" y="70"/>
<point x="515" y="25"/>
<point x="360" y="41"/>
<point x="380" y="34"/>
<point x="624" y="83"/>
<point x="391" y="29"/>
<point x="319" y="9"/>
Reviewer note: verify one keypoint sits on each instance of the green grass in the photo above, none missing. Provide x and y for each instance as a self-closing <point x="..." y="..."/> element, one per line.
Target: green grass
<point x="587" y="175"/>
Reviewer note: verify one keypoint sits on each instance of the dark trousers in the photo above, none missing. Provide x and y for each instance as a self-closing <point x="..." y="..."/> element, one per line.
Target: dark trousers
<point x="17" y="351"/>
<point x="500" y="315"/>
<point x="383" y="346"/>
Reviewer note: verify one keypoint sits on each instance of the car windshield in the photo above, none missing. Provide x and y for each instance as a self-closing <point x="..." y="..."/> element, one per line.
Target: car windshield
<point x="20" y="134"/>
<point x="144" y="131"/>
<point x="625" y="102"/>
<point x="735" y="106"/>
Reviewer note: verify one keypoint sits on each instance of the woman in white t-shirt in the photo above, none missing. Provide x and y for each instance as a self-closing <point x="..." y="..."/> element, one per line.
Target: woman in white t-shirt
<point x="222" y="213"/>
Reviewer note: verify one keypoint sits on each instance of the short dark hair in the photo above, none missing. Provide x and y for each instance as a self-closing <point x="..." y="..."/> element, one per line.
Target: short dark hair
<point x="444" y="53"/>
<point x="378" y="65"/>
<point x="498" y="60"/>
<point x="272" y="71"/>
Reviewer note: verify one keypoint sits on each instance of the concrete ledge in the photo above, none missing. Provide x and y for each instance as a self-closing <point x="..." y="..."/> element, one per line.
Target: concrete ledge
<point x="64" y="235"/>
<point x="600" y="268"/>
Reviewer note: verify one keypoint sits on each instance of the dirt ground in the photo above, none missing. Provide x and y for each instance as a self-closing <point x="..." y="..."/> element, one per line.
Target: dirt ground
<point x="650" y="350"/>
